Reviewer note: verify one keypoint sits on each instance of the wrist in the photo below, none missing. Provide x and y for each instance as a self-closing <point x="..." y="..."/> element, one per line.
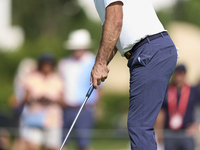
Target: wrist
<point x="100" y="62"/>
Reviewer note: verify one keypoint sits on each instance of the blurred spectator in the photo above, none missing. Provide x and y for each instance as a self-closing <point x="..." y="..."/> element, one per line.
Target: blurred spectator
<point x="26" y="66"/>
<point x="75" y="71"/>
<point x="177" y="114"/>
<point x="16" y="101"/>
<point x="41" y="119"/>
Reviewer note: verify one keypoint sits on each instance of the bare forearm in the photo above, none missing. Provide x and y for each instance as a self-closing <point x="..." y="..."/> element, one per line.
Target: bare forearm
<point x="111" y="31"/>
<point x="114" y="51"/>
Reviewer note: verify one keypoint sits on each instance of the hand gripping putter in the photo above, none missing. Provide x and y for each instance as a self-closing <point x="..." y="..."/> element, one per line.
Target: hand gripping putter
<point x="84" y="102"/>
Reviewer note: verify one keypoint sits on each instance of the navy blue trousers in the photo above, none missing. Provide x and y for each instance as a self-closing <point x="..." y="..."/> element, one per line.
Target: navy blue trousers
<point x="151" y="67"/>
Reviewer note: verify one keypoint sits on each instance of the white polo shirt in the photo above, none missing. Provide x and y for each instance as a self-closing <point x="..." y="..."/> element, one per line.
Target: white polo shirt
<point x="139" y="21"/>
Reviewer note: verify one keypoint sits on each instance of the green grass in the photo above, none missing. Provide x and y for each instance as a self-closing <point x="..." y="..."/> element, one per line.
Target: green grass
<point x="105" y="144"/>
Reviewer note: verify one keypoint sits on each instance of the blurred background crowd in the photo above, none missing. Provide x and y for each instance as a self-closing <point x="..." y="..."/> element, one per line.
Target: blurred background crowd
<point x="47" y="49"/>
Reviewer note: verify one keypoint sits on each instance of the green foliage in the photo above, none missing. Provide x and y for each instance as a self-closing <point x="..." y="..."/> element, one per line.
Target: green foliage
<point x="166" y="16"/>
<point x="51" y="18"/>
<point x="114" y="105"/>
<point x="184" y="10"/>
<point x="188" y="11"/>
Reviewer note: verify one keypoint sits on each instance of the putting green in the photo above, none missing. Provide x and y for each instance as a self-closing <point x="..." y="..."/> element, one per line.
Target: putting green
<point x="105" y="144"/>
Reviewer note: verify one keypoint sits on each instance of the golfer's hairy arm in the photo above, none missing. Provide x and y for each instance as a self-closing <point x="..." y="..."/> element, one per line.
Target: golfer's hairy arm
<point x="111" y="31"/>
<point x="114" y="51"/>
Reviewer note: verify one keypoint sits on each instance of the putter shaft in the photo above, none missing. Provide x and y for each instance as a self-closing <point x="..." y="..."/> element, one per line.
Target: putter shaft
<point x="86" y="98"/>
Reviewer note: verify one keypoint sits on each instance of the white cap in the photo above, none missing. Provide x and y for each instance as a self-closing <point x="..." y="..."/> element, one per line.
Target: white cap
<point x="78" y="39"/>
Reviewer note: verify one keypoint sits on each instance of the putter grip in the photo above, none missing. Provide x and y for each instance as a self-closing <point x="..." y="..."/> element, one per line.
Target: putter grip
<point x="90" y="91"/>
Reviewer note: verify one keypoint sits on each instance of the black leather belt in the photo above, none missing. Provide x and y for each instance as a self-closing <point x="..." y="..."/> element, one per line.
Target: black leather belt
<point x="143" y="41"/>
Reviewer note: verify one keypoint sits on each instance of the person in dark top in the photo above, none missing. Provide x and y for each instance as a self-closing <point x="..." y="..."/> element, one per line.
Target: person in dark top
<point x="177" y="113"/>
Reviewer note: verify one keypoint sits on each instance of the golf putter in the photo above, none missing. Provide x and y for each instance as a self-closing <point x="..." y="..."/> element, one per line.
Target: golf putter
<point x="84" y="102"/>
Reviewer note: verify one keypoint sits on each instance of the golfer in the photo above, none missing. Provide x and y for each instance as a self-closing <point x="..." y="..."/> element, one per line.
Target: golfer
<point x="132" y="27"/>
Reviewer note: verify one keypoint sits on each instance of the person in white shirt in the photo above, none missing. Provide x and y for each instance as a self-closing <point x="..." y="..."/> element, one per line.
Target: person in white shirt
<point x="133" y="28"/>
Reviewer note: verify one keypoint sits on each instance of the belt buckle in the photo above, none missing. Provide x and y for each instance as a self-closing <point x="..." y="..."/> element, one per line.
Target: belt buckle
<point x="127" y="55"/>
